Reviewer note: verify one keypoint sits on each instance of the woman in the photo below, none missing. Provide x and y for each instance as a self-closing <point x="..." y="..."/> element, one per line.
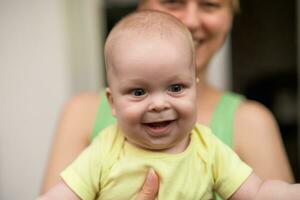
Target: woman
<point x="245" y="125"/>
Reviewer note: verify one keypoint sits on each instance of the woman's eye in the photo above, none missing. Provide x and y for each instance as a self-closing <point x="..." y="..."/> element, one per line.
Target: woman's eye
<point x="175" y="88"/>
<point x="138" y="92"/>
<point x="173" y="3"/>
<point x="210" y="5"/>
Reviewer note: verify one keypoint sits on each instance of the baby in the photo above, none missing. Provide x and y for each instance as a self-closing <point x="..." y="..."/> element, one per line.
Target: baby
<point x="150" y="66"/>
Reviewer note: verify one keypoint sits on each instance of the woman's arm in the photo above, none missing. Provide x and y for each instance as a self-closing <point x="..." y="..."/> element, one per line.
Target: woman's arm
<point x="72" y="135"/>
<point x="59" y="192"/>
<point x="258" y="142"/>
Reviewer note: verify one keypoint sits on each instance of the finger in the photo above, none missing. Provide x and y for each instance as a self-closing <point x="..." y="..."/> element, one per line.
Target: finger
<point x="150" y="188"/>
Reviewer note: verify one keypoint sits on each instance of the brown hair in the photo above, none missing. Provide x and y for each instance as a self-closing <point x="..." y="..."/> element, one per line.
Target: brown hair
<point x="235" y="6"/>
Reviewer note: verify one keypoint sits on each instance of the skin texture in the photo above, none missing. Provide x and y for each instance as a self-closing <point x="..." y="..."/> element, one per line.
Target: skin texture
<point x="256" y="135"/>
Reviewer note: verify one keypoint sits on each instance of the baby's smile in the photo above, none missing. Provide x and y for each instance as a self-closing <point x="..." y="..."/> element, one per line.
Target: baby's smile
<point x="157" y="129"/>
<point x="162" y="116"/>
<point x="159" y="124"/>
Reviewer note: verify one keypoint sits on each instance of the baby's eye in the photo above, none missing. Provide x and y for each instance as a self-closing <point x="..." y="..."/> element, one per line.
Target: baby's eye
<point x="176" y="88"/>
<point x="138" y="92"/>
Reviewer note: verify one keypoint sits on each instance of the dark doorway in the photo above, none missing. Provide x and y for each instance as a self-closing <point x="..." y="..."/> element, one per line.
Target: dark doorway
<point x="264" y="61"/>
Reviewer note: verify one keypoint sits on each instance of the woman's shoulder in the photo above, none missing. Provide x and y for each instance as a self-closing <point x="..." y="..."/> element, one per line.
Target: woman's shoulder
<point x="253" y="112"/>
<point x="85" y="104"/>
<point x="80" y="111"/>
<point x="84" y="100"/>
<point x="252" y="122"/>
<point x="247" y="111"/>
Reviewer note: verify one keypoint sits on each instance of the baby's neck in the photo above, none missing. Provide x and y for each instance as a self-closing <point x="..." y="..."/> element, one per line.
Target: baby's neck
<point x="180" y="147"/>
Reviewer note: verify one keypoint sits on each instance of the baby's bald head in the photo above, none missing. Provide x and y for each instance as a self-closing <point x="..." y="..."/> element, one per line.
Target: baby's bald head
<point x="148" y="29"/>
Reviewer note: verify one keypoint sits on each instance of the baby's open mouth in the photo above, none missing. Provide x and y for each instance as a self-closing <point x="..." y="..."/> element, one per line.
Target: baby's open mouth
<point x="159" y="128"/>
<point x="158" y="124"/>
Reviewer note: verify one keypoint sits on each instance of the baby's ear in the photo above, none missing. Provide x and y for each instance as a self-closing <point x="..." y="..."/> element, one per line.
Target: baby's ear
<point x="110" y="100"/>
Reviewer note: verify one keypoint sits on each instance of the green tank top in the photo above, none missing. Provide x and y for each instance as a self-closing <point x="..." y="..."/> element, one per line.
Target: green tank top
<point x="104" y="117"/>
<point x="221" y="122"/>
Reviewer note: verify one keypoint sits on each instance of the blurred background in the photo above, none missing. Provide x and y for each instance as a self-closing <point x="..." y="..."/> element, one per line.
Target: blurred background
<point x="52" y="49"/>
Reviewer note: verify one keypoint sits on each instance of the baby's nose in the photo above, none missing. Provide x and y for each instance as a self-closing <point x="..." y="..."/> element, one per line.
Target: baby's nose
<point x="159" y="103"/>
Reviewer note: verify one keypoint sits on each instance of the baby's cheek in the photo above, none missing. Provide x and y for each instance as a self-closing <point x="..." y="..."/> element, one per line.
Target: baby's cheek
<point x="188" y="107"/>
<point x="131" y="112"/>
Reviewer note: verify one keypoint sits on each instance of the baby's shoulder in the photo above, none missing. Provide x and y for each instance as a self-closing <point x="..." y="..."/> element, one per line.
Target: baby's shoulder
<point x="109" y="143"/>
<point x="204" y="139"/>
<point x="203" y="132"/>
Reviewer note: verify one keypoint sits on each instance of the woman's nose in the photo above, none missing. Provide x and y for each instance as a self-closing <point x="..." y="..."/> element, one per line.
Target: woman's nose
<point x="190" y="16"/>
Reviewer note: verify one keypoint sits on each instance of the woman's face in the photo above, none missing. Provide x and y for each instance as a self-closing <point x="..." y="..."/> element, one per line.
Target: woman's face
<point x="208" y="20"/>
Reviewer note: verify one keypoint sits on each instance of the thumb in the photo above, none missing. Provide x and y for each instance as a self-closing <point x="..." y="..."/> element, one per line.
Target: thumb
<point x="150" y="188"/>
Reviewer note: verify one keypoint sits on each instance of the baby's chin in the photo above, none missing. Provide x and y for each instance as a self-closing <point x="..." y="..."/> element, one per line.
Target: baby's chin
<point x="157" y="147"/>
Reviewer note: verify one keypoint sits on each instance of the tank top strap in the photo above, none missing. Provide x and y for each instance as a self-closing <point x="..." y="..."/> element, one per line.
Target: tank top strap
<point x="104" y="117"/>
<point x="223" y="117"/>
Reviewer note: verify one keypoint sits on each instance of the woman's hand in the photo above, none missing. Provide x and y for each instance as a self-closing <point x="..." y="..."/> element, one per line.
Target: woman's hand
<point x="150" y="188"/>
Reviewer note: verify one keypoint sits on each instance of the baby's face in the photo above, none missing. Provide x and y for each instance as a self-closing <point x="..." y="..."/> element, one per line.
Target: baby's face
<point x="153" y="92"/>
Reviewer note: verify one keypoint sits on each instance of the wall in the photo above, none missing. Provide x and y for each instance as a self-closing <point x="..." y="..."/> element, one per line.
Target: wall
<point x="264" y="49"/>
<point x="37" y="75"/>
<point x="219" y="70"/>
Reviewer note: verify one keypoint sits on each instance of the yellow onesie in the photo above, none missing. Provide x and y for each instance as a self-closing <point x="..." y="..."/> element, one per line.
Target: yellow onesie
<point x="112" y="168"/>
